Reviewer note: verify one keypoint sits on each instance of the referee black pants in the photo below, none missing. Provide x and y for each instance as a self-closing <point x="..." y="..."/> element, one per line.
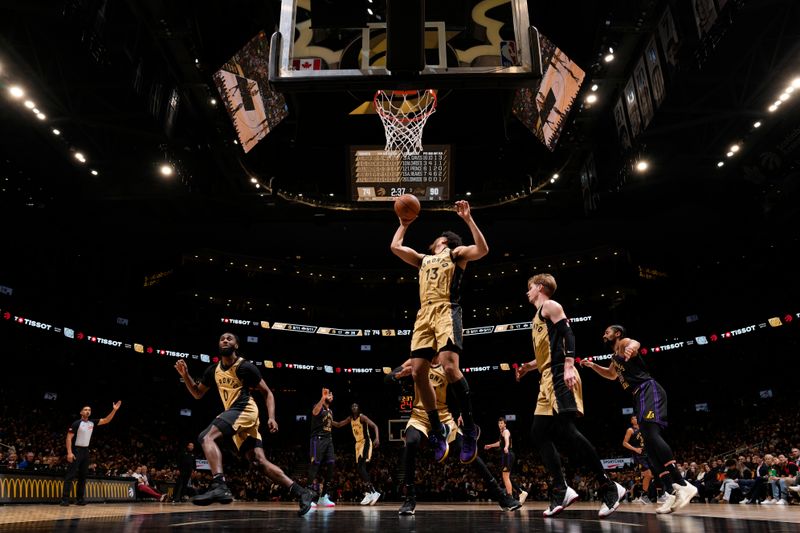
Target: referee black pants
<point x="78" y="468"/>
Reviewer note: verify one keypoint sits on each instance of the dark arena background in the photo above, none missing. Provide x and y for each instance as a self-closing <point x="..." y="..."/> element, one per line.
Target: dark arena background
<point x="172" y="171"/>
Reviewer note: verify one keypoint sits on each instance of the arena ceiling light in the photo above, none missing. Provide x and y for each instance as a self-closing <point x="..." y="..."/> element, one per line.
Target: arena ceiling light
<point x="734" y="148"/>
<point x="80" y="157"/>
<point x="166" y="170"/>
<point x="16" y="92"/>
<point x="94" y="172"/>
<point x="29" y="104"/>
<point x="642" y="166"/>
<point x="592" y="98"/>
<point x="757" y="124"/>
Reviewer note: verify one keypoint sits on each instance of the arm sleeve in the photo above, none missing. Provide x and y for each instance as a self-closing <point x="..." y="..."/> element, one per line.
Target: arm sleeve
<point x="73" y="428"/>
<point x="249" y="374"/>
<point x="208" y="377"/>
<point x="565" y="332"/>
<point x="95" y="421"/>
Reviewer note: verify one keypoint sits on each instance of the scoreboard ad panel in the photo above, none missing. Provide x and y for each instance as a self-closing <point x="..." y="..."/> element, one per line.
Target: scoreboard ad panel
<point x="380" y="176"/>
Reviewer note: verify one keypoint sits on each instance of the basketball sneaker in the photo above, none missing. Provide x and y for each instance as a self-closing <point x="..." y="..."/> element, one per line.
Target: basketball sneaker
<point x="668" y="505"/>
<point x="560" y="500"/>
<point x="217" y="492"/>
<point x="645" y="499"/>
<point x="307" y="498"/>
<point x="367" y="498"/>
<point x="375" y="497"/>
<point x="438" y="443"/>
<point x="469" y="445"/>
<point x="508" y="503"/>
<point x="613" y="493"/>
<point x="408" y="506"/>
<point x="325" y="501"/>
<point x="683" y="494"/>
<point x="522" y="497"/>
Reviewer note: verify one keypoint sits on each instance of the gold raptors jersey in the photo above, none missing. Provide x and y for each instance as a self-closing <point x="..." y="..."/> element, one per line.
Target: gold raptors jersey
<point x="439" y="278"/>
<point x="541" y="342"/>
<point x="358" y="429"/>
<point x="229" y="385"/>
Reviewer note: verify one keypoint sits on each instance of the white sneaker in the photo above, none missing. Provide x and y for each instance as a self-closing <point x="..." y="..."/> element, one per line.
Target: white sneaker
<point x="781" y="502"/>
<point x="668" y="505"/>
<point x="313" y="505"/>
<point x="324" y="501"/>
<point x="638" y="500"/>
<point x="662" y="498"/>
<point x="522" y="497"/>
<point x="367" y="498"/>
<point x="374" y="497"/>
<point x="684" y="494"/>
<point x="768" y="502"/>
<point x="744" y="502"/>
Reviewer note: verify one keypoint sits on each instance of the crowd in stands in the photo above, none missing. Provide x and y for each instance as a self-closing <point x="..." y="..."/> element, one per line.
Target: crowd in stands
<point x="755" y="460"/>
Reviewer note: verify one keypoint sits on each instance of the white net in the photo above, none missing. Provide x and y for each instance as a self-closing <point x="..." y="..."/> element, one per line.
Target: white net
<point x="404" y="114"/>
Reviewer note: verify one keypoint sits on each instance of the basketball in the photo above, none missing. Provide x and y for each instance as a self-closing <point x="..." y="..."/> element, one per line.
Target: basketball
<point x="407" y="207"/>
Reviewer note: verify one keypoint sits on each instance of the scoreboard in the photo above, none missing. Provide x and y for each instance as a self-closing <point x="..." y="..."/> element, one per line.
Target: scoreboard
<point x="377" y="176"/>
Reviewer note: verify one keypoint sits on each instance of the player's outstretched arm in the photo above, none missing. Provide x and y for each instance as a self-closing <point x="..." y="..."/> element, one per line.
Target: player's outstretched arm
<point x="524" y="368"/>
<point x="341" y="423"/>
<point x="407" y="254"/>
<point x="607" y="372"/>
<point x="475" y="251"/>
<point x="195" y="389"/>
<point x="318" y="406"/>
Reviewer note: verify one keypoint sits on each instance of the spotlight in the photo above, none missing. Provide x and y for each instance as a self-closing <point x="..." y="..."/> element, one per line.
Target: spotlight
<point x="772" y="108"/>
<point x="796" y="83"/>
<point x="555" y="176"/>
<point x="720" y="164"/>
<point x="80" y="157"/>
<point x="16" y="92"/>
<point x="642" y="166"/>
<point x="594" y="87"/>
<point x="592" y="98"/>
<point x="213" y="101"/>
<point x="370" y="11"/>
<point x="29" y="104"/>
<point x="94" y="173"/>
<point x="552" y="180"/>
<point x="469" y="193"/>
<point x="729" y="154"/>
<point x="253" y="180"/>
<point x="41" y="116"/>
<point x="609" y="58"/>
<point x="166" y="170"/>
<point x="56" y="132"/>
<point x="783" y="97"/>
<point x="734" y="148"/>
<point x="757" y="124"/>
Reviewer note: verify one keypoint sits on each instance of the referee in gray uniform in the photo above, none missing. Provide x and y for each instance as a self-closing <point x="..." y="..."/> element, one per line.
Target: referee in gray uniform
<point x="79" y="435"/>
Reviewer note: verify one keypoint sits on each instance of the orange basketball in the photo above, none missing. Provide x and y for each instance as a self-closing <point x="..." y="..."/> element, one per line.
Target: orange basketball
<point x="406" y="206"/>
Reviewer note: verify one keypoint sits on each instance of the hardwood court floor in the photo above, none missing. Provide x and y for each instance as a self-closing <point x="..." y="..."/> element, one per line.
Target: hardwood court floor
<point x="383" y="518"/>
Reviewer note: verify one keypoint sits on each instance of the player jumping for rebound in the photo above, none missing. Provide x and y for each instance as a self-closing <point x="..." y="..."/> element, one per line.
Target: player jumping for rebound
<point x="438" y="329"/>
<point x="418" y="430"/>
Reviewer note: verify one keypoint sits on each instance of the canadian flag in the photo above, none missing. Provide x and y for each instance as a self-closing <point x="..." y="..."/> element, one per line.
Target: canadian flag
<point x="307" y="64"/>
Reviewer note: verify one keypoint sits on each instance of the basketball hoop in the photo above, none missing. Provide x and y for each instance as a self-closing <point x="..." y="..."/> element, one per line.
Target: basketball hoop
<point x="404" y="114"/>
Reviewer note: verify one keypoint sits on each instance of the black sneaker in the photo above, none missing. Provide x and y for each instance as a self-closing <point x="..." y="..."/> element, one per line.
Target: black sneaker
<point x="64" y="503"/>
<point x="508" y="503"/>
<point x="408" y="507"/>
<point x="560" y="500"/>
<point x="307" y="497"/>
<point x="80" y="502"/>
<point x="217" y="492"/>
<point x="612" y="493"/>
